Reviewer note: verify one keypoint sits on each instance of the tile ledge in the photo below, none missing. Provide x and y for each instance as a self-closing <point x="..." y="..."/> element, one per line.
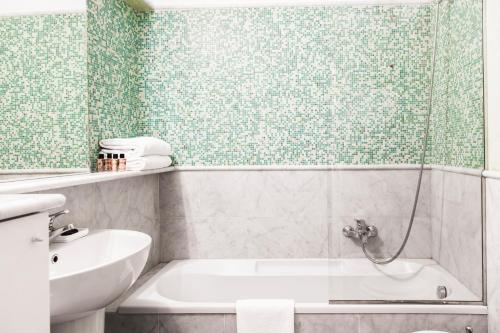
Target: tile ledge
<point x="300" y="167"/>
<point x="491" y="174"/>
<point x="339" y="167"/>
<point x="43" y="184"/>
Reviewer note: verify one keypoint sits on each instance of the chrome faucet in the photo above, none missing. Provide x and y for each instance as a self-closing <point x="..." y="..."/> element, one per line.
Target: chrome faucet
<point x="361" y="232"/>
<point x="54" y="232"/>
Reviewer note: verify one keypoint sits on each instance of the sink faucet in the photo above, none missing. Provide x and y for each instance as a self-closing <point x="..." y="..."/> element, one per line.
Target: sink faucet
<point x="53" y="232"/>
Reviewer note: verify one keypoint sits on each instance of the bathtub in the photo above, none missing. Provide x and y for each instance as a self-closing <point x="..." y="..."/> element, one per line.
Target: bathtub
<point x="316" y="285"/>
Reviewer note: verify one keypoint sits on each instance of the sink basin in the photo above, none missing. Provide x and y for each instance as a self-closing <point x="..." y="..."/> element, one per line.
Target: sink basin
<point x="89" y="273"/>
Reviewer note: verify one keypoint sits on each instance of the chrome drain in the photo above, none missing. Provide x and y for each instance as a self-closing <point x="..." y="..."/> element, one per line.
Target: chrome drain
<point x="442" y="292"/>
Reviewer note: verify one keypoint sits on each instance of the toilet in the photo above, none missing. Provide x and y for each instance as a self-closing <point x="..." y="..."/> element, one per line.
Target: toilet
<point x="431" y="332"/>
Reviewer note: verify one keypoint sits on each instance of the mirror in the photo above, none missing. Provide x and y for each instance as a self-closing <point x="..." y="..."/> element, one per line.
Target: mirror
<point x="43" y="89"/>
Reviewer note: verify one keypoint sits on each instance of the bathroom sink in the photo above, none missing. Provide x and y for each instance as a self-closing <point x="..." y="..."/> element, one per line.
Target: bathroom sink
<point x="89" y="273"/>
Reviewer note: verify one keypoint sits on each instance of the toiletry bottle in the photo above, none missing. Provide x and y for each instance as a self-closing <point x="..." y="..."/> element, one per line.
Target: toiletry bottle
<point x="100" y="163"/>
<point x="107" y="162"/>
<point x="114" y="163"/>
<point x="122" y="163"/>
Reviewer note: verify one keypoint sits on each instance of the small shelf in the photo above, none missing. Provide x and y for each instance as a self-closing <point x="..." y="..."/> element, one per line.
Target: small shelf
<point x="49" y="183"/>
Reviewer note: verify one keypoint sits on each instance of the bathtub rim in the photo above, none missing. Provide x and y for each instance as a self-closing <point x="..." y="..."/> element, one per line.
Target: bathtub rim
<point x="316" y="308"/>
<point x="169" y="306"/>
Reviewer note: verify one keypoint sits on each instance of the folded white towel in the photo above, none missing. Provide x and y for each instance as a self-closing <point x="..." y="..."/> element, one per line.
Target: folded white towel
<point x="148" y="163"/>
<point x="136" y="147"/>
<point x="265" y="316"/>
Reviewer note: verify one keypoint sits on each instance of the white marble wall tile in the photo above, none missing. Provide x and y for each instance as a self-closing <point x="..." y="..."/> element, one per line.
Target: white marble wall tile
<point x="133" y="205"/>
<point x="191" y="323"/>
<point x="407" y="323"/>
<point x="241" y="214"/>
<point x="493" y="252"/>
<point x="130" y="203"/>
<point x="312" y="323"/>
<point x="130" y="323"/>
<point x="80" y="201"/>
<point x="378" y="192"/>
<point x="458" y="222"/>
<point x="230" y="323"/>
<point x="327" y="323"/>
<point x="202" y="194"/>
<point x="220" y="214"/>
<point x="304" y="323"/>
<point x="436" y="200"/>
<point x="458" y="323"/>
<point x="391" y="323"/>
<point x="244" y="238"/>
<point x="383" y="198"/>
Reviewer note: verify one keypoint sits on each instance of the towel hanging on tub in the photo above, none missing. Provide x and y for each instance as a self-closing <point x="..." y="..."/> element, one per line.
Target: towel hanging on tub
<point x="265" y="316"/>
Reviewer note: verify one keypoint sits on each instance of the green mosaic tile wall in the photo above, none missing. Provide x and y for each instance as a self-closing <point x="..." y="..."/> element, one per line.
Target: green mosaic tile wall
<point x="113" y="69"/>
<point x="311" y="86"/>
<point x="43" y="95"/>
<point x="458" y="119"/>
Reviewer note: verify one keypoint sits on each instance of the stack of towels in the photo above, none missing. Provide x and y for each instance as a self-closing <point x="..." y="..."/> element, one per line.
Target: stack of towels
<point x="142" y="153"/>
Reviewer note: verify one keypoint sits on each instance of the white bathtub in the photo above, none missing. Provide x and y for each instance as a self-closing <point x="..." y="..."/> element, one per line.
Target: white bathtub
<point x="213" y="286"/>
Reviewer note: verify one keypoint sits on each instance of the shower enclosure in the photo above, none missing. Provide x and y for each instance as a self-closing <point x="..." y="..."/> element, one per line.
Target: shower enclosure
<point x="419" y="221"/>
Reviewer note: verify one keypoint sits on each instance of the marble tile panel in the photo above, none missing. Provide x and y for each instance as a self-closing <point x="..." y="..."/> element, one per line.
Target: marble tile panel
<point x="383" y="198"/>
<point x="457" y="322"/>
<point x="258" y="212"/>
<point x="366" y="193"/>
<point x="244" y="238"/>
<point x="407" y="323"/>
<point x="391" y="232"/>
<point x="80" y="201"/>
<point x="436" y="200"/>
<point x="191" y="323"/>
<point x="326" y="323"/>
<point x="202" y="194"/>
<point x="131" y="204"/>
<point x="312" y="323"/>
<point x="130" y="323"/>
<point x="460" y="248"/>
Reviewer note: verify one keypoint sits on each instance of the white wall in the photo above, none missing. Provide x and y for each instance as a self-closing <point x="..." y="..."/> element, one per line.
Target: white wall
<point x="492" y="102"/>
<point x="37" y="7"/>
<point x="492" y="75"/>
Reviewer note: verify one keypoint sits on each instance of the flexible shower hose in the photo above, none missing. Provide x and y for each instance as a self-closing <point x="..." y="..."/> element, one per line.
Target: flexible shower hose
<point x="384" y="261"/>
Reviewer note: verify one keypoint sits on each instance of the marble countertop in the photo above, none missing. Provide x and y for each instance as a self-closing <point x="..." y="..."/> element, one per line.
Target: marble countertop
<point x="14" y="205"/>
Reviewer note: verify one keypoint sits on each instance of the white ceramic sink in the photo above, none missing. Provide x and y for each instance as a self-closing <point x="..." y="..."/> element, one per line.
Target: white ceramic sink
<point x="91" y="272"/>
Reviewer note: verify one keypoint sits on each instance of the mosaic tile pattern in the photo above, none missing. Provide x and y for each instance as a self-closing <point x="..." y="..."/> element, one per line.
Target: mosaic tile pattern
<point x="113" y="69"/>
<point x="312" y="85"/>
<point x="301" y="85"/>
<point x="43" y="93"/>
<point x="458" y="119"/>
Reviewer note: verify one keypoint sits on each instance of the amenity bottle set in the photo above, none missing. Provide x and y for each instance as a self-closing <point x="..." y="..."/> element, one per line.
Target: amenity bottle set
<point x="111" y="162"/>
<point x="133" y="154"/>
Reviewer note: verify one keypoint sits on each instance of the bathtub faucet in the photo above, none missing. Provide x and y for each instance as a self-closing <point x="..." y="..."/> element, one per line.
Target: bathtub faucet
<point x="361" y="232"/>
